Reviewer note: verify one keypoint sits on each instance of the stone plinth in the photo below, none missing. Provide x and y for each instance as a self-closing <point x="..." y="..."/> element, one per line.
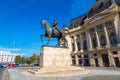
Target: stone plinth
<point x="54" y="57"/>
<point x="55" y="60"/>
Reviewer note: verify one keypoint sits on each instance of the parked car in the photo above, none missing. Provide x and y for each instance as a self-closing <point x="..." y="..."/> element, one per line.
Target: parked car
<point x="36" y="64"/>
<point x="18" y="65"/>
<point x="25" y="65"/>
<point x="11" y="66"/>
<point x="3" y="65"/>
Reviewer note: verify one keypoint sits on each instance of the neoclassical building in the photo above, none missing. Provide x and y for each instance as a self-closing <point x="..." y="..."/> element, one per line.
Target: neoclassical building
<point x="7" y="57"/>
<point x="94" y="38"/>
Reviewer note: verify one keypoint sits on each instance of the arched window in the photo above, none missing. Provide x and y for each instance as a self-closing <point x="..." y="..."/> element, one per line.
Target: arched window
<point x="100" y="5"/>
<point x="94" y="41"/>
<point x="85" y="45"/>
<point x="113" y="38"/>
<point x="78" y="45"/>
<point x="103" y="40"/>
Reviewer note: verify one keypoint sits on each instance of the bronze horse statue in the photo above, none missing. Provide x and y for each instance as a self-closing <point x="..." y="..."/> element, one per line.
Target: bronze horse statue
<point x="53" y="33"/>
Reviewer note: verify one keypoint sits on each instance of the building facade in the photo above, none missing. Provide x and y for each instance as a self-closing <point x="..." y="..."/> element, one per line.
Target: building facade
<point x="94" y="38"/>
<point x="6" y="57"/>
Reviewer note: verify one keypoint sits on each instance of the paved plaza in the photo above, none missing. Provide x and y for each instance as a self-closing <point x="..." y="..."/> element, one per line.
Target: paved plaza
<point x="95" y="74"/>
<point x="2" y="72"/>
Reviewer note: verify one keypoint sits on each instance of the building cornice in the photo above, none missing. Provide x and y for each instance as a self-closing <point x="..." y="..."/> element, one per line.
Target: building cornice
<point x="97" y="18"/>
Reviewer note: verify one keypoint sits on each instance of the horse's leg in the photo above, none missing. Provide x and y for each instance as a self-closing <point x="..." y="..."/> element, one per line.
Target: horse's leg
<point x="49" y="36"/>
<point x="41" y="37"/>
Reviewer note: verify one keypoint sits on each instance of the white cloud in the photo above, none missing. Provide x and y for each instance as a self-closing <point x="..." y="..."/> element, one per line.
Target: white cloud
<point x="10" y="49"/>
<point x="25" y="52"/>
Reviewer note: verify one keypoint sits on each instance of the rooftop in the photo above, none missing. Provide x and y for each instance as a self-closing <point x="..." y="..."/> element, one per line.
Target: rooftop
<point x="97" y="7"/>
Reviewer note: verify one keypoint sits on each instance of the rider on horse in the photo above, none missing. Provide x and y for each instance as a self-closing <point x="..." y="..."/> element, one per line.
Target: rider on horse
<point x="55" y="26"/>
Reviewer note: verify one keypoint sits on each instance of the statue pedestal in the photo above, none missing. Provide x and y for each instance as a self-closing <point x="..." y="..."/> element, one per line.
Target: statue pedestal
<point x="55" y="60"/>
<point x="54" y="57"/>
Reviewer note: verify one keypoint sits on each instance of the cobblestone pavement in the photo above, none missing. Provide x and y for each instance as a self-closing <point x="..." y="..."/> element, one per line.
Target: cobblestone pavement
<point x="105" y="73"/>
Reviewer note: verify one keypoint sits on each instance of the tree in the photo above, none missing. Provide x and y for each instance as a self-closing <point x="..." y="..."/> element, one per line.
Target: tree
<point x="18" y="59"/>
<point x="34" y="58"/>
<point x="24" y="59"/>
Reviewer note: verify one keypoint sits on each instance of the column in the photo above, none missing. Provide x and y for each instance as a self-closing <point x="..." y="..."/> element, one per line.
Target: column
<point x="111" y="60"/>
<point x="100" y="62"/>
<point x="81" y="42"/>
<point x="97" y="37"/>
<point x="75" y="42"/>
<point x="69" y="42"/>
<point x="76" y="59"/>
<point x="106" y="35"/>
<point x="2" y="58"/>
<point x="117" y="27"/>
<point x="119" y="55"/>
<point x="82" y="56"/>
<point x="88" y="37"/>
<point x="92" y="61"/>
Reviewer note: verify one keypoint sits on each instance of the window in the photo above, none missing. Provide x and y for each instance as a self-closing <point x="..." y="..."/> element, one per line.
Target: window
<point x="73" y="47"/>
<point x="72" y="38"/>
<point x="91" y="10"/>
<point x="109" y="24"/>
<point x="92" y="31"/>
<point x="78" y="45"/>
<point x="95" y="54"/>
<point x="78" y="36"/>
<point x="85" y="45"/>
<point x="95" y="42"/>
<point x="114" y="53"/>
<point x="100" y="28"/>
<point x="103" y="40"/>
<point x="75" y="26"/>
<point x="113" y="38"/>
<point x="73" y="60"/>
<point x="79" y="56"/>
<point x="71" y="25"/>
<point x="101" y="5"/>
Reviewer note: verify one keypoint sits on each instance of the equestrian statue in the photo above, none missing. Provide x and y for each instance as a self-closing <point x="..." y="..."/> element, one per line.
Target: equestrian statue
<point x="54" y="32"/>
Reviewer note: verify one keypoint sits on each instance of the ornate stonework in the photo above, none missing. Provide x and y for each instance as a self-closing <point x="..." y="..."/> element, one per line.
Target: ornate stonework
<point x="96" y="42"/>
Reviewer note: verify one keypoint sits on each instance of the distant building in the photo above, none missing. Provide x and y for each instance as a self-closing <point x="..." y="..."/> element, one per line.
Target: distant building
<point x="94" y="38"/>
<point x="7" y="57"/>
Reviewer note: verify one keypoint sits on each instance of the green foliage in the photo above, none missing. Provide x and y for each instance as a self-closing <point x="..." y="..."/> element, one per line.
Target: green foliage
<point x="28" y="60"/>
<point x="34" y="58"/>
<point x="18" y="59"/>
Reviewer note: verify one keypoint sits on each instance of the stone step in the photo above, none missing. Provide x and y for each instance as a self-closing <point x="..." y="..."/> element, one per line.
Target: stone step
<point x="55" y="69"/>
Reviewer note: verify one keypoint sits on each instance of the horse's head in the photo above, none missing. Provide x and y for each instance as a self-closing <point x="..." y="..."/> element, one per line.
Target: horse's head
<point x="44" y="23"/>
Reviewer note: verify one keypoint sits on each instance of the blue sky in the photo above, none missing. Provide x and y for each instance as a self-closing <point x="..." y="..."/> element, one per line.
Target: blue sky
<point x="20" y="27"/>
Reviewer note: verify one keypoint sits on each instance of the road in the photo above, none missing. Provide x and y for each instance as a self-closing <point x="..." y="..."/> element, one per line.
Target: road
<point x="2" y="73"/>
<point x="96" y="73"/>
